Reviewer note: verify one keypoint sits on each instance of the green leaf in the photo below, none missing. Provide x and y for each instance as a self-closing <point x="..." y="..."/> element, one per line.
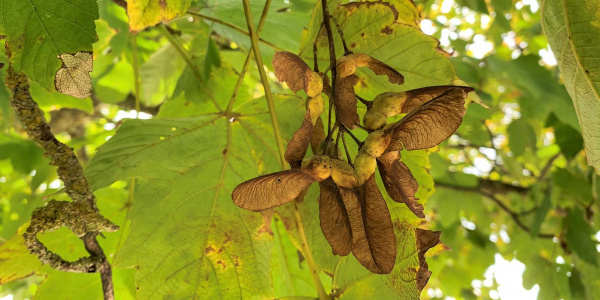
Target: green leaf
<point x="183" y="216"/>
<point x="291" y="275"/>
<point x="579" y="236"/>
<point x="371" y="29"/>
<point x="572" y="30"/>
<point x="520" y="136"/>
<point x="542" y="211"/>
<point x="39" y="31"/>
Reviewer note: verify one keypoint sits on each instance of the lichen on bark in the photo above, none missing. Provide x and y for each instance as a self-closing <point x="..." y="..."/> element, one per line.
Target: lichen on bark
<point x="81" y="216"/>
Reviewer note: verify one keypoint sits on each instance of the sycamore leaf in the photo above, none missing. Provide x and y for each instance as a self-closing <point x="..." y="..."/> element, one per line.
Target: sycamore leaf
<point x="298" y="145"/>
<point x="73" y="78"/>
<point x="334" y="218"/>
<point x="145" y="13"/>
<point x="271" y="190"/>
<point x="291" y="69"/>
<point x="431" y="123"/>
<point x="183" y="216"/>
<point x="345" y="101"/>
<point x="399" y="182"/>
<point x="375" y="246"/>
<point x="39" y="31"/>
<point x="572" y="28"/>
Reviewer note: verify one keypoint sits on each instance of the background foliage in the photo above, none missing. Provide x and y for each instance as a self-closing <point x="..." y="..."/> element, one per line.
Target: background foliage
<point x="513" y="182"/>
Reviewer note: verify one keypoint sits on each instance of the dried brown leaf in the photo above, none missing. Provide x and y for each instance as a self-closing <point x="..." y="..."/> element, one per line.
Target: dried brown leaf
<point x="318" y="136"/>
<point x="271" y="190"/>
<point x="375" y="247"/>
<point x="399" y="182"/>
<point x="335" y="223"/>
<point x="345" y="101"/>
<point x="418" y="97"/>
<point x="292" y="70"/>
<point x="73" y="78"/>
<point x="426" y="239"/>
<point x="298" y="145"/>
<point x="431" y="123"/>
<point x="347" y="65"/>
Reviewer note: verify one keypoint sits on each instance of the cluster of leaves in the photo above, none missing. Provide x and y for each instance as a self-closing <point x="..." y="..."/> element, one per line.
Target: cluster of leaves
<point x="513" y="180"/>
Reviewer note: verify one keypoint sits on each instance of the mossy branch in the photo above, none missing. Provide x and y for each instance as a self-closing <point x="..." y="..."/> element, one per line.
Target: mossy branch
<point x="81" y="215"/>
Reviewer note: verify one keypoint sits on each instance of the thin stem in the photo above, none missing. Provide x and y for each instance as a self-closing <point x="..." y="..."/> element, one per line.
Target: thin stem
<point x="136" y="71"/>
<point x="314" y="272"/>
<point x="346" y="148"/>
<point x="332" y="59"/>
<point x="337" y="140"/>
<point x="364" y="101"/>
<point x="263" y="17"/>
<point x="315" y="48"/>
<point x="232" y="26"/>
<point x="358" y="142"/>
<point x="265" y="82"/>
<point x="341" y="33"/>
<point x="188" y="61"/>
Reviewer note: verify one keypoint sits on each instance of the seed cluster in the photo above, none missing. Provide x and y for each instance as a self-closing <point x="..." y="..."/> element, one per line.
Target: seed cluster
<point x="352" y="210"/>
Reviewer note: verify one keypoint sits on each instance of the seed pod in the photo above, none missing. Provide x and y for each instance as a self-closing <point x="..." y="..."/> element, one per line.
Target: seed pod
<point x="315" y="105"/>
<point x="314" y="83"/>
<point x="374" y="120"/>
<point x="318" y="166"/>
<point x="347" y="65"/>
<point x="292" y="70"/>
<point x="376" y="143"/>
<point x="343" y="174"/>
<point x="389" y="104"/>
<point x="365" y="166"/>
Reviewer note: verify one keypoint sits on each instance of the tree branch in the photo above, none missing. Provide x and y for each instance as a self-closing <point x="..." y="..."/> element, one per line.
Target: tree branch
<point x="514" y="215"/>
<point x="81" y="215"/>
<point x="332" y="59"/>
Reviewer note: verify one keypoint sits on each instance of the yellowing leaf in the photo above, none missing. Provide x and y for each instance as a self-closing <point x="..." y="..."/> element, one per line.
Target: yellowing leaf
<point x="74" y="77"/>
<point x="145" y="13"/>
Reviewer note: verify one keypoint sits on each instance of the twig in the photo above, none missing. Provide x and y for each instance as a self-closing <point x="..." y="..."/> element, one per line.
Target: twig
<point x="514" y="215"/>
<point x="315" y="49"/>
<point x="265" y="82"/>
<point x="548" y="166"/>
<point x="332" y="59"/>
<point x="314" y="271"/>
<point x="69" y="170"/>
<point x="346" y="148"/>
<point x="364" y="101"/>
<point x="232" y="26"/>
<point x="238" y="84"/>
<point x="341" y="33"/>
<point x="358" y="142"/>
